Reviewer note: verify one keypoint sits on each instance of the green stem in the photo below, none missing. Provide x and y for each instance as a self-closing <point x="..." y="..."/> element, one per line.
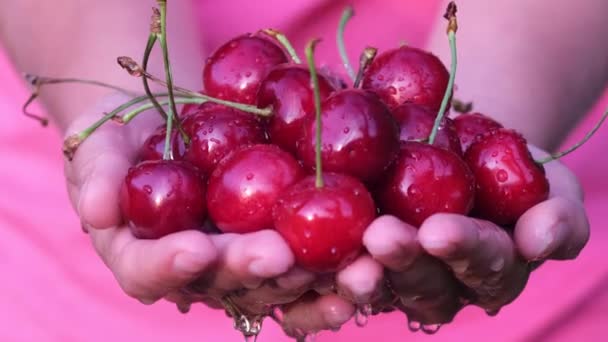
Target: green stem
<point x="346" y="16"/>
<point x="449" y="89"/>
<point x="367" y="56"/>
<point x="310" y="58"/>
<point x="133" y="113"/>
<point x="283" y="40"/>
<point x="168" y="153"/>
<point x="144" y="64"/>
<point x="588" y="136"/>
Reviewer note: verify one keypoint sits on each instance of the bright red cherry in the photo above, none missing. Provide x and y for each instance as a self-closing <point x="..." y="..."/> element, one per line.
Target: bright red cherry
<point x="216" y="131"/>
<point x="416" y="122"/>
<point x="509" y="181"/>
<point x="245" y="186"/>
<point x="288" y="89"/>
<point x="407" y="74"/>
<point x="426" y="180"/>
<point x="360" y="136"/>
<point x="162" y="197"/>
<point x="471" y="125"/>
<point x="324" y="226"/>
<point x="154" y="147"/>
<point x="235" y="70"/>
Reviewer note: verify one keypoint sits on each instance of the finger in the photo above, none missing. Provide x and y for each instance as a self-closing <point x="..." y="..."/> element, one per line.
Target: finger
<point x="481" y="255"/>
<point x="554" y="229"/>
<point x="150" y="269"/>
<point x="392" y="242"/>
<point x="361" y="281"/>
<point x="428" y="292"/>
<point x="314" y="313"/>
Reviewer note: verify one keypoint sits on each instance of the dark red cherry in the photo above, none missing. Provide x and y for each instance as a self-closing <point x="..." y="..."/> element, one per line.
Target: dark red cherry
<point x="471" y="125"/>
<point x="360" y="136"/>
<point x="416" y="122"/>
<point x="235" y="70"/>
<point x="287" y="88"/>
<point x="426" y="180"/>
<point x="245" y="186"/>
<point x="216" y="131"/>
<point x="154" y="147"/>
<point x="509" y="181"/>
<point x="324" y="226"/>
<point x="407" y="75"/>
<point x="162" y="197"/>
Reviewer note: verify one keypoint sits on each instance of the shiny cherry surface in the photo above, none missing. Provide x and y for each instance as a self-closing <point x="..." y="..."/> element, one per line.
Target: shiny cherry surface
<point x="154" y="147"/>
<point x="469" y="126"/>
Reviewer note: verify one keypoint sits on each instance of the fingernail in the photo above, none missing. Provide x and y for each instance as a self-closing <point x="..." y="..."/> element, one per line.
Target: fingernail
<point x="189" y="263"/>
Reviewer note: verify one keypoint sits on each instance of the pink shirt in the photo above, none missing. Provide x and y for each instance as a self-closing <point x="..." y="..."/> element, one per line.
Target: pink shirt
<point x="55" y="288"/>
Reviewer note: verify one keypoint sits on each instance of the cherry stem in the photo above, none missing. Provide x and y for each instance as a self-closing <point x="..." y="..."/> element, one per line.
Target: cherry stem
<point x="452" y="28"/>
<point x="588" y="136"/>
<point x="135" y="70"/>
<point x="162" y="37"/>
<point x="310" y="58"/>
<point x="367" y="57"/>
<point x="347" y="14"/>
<point x="132" y="114"/>
<point x="284" y="41"/>
<point x="37" y="82"/>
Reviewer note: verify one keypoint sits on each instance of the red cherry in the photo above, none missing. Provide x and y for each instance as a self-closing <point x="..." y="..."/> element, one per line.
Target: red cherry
<point x="235" y="70"/>
<point x="288" y="89"/>
<point x="407" y="74"/>
<point x="154" y="147"/>
<point x="416" y="122"/>
<point x="324" y="226"/>
<point x="426" y="180"/>
<point x="162" y="197"/>
<point x="245" y="186"/>
<point x="216" y="131"/>
<point x="509" y="181"/>
<point x="360" y="136"/>
<point x="471" y="125"/>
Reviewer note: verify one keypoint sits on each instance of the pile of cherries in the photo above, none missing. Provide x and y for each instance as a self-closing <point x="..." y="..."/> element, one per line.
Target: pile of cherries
<point x="240" y="172"/>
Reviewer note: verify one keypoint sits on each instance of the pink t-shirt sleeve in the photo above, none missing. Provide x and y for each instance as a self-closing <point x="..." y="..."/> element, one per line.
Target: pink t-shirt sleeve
<point x="55" y="288"/>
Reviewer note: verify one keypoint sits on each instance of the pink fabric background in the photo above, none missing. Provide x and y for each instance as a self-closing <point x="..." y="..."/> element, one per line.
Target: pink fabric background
<point x="54" y="287"/>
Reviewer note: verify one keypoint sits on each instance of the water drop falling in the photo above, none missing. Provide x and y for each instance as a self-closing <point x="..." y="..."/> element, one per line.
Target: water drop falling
<point x="252" y="338"/>
<point x="414" y="326"/>
<point x="362" y="315"/>
<point x="277" y="315"/>
<point x="430" y="329"/>
<point x="492" y="313"/>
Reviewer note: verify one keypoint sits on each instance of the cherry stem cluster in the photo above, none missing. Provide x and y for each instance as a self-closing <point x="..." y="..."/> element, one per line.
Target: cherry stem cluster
<point x="452" y="28"/>
<point x="284" y="41"/>
<point x="346" y="16"/>
<point x="310" y="58"/>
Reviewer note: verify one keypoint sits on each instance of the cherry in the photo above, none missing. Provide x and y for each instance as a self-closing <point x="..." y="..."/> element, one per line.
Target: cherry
<point x="407" y="74"/>
<point x="154" y="147"/>
<point x="509" y="181"/>
<point x="324" y="226"/>
<point x="416" y="122"/>
<point x="471" y="125"/>
<point x="245" y="186"/>
<point x="161" y="197"/>
<point x="426" y="180"/>
<point x="360" y="136"/>
<point x="288" y="89"/>
<point x="235" y="70"/>
<point x="215" y="131"/>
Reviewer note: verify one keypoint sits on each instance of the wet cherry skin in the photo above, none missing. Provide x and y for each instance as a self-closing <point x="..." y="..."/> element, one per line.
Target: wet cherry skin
<point x="471" y="125"/>
<point x="509" y="181"/>
<point x="324" y="226"/>
<point x="407" y="75"/>
<point x="287" y="88"/>
<point x="360" y="137"/>
<point x="154" y="147"/>
<point x="161" y="197"/>
<point x="215" y="131"/>
<point x="236" y="69"/>
<point x="245" y="186"/>
<point x="426" y="180"/>
<point x="416" y="122"/>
